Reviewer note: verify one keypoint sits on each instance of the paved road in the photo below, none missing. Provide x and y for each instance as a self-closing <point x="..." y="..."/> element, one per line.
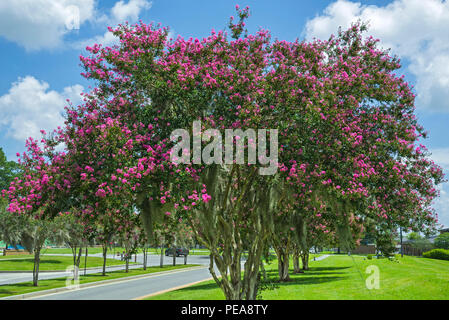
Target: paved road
<point x="137" y="288"/>
<point x="132" y="289"/>
<point x="153" y="260"/>
<point x="324" y="256"/>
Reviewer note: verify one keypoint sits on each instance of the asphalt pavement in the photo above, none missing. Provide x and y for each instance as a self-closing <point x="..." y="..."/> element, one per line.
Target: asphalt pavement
<point x="133" y="289"/>
<point x="153" y="260"/>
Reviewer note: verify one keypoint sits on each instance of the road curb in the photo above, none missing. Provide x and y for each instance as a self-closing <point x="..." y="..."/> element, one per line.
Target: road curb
<point x="96" y="283"/>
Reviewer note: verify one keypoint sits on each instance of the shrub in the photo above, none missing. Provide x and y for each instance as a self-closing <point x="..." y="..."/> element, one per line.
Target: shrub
<point x="369" y="256"/>
<point x="441" y="254"/>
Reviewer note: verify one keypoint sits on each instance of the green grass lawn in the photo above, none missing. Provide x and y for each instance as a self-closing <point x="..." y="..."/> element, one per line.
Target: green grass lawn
<point x="51" y="263"/>
<point x="18" y="256"/>
<point x="27" y="287"/>
<point x="340" y="277"/>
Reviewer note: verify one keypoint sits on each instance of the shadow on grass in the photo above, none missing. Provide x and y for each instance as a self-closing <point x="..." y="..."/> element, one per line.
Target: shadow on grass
<point x="308" y="278"/>
<point x="205" y="286"/>
<point x="311" y="271"/>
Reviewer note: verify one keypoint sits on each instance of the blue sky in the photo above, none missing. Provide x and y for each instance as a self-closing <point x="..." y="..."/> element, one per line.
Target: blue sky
<point x="40" y="46"/>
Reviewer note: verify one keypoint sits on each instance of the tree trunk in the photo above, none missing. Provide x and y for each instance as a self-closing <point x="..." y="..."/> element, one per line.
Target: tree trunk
<point x="174" y="257"/>
<point x="127" y="262"/>
<point x="76" y="266"/>
<point x="37" y="253"/>
<point x="264" y="272"/>
<point x="305" y="260"/>
<point x="145" y="255"/>
<point x="85" y="262"/>
<point x="73" y="254"/>
<point x="296" y="266"/>
<point x="185" y="259"/>
<point x="234" y="286"/>
<point x="162" y="257"/>
<point x="105" y="251"/>
<point x="283" y="263"/>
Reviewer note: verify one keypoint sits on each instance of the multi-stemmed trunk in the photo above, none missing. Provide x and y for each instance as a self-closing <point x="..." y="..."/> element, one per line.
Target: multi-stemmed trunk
<point x="37" y="253"/>
<point x="76" y="252"/>
<point x="305" y="260"/>
<point x="296" y="265"/>
<point x="282" y="245"/>
<point x="234" y="221"/>
<point x="283" y="264"/>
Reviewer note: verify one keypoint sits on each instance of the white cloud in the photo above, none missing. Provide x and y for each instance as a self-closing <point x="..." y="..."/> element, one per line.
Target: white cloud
<point x="42" y="24"/>
<point x="414" y="29"/>
<point x="441" y="157"/>
<point x="441" y="204"/>
<point x="107" y="39"/>
<point x="122" y="11"/>
<point x="128" y="11"/>
<point x="30" y="106"/>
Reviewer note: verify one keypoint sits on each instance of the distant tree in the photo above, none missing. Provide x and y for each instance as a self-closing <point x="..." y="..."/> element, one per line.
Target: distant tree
<point x="442" y="241"/>
<point x="414" y="236"/>
<point x="11" y="227"/>
<point x="8" y="170"/>
<point x="385" y="242"/>
<point x="422" y="244"/>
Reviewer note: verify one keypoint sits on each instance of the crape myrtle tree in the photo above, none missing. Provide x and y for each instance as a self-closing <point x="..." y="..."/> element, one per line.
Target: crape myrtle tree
<point x="34" y="236"/>
<point x="310" y="231"/>
<point x="161" y="236"/>
<point x="129" y="239"/>
<point x="35" y="195"/>
<point x="347" y="135"/>
<point x="365" y="135"/>
<point x="74" y="235"/>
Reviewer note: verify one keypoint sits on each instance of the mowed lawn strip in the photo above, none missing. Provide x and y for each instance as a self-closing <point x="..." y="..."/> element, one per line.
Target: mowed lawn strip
<point x="341" y="277"/>
<point x="53" y="263"/>
<point x="27" y="287"/>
